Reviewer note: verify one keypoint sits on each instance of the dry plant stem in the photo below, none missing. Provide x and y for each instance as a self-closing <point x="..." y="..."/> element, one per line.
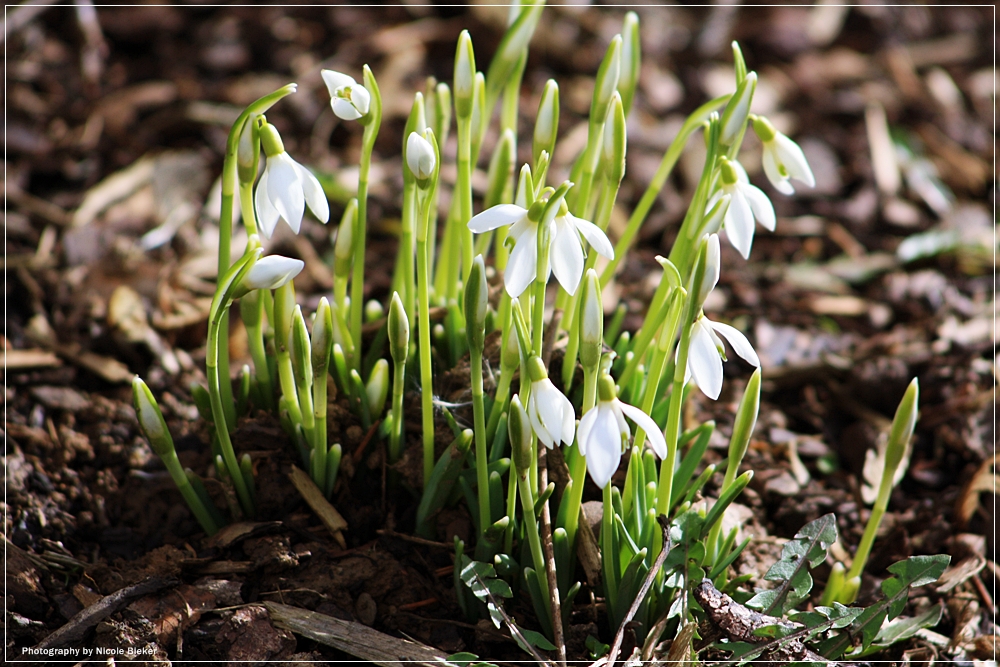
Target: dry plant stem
<point x="550" y="565"/>
<point x="650" y="576"/>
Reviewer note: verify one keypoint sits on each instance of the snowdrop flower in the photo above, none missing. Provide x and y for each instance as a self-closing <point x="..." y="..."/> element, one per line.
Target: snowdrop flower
<point x="705" y="351"/>
<point x="565" y="252"/>
<point x="420" y="157"/>
<point x="550" y="413"/>
<point x="349" y="99"/>
<point x="783" y="159"/>
<point x="746" y="203"/>
<point x="285" y="188"/>
<point x="604" y="432"/>
<point x="272" y="272"/>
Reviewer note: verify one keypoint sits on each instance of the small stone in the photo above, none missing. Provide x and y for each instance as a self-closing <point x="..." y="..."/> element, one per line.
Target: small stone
<point x="365" y="609"/>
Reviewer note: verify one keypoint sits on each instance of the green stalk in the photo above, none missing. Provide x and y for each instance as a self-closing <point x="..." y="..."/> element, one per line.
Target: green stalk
<point x="534" y="540"/>
<point x="482" y="473"/>
<point x="607" y="549"/>
<point x="649" y="197"/>
<point x="372" y="122"/>
<point x="463" y="191"/>
<point x="396" y="434"/>
<point x="423" y="311"/>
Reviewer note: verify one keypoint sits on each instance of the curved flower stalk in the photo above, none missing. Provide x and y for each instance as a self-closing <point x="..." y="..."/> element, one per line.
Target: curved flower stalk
<point x="550" y="412"/>
<point x="746" y="203"/>
<point x="566" y="258"/>
<point x="783" y="159"/>
<point x="349" y="99"/>
<point x="604" y="431"/>
<point x="285" y="188"/>
<point x="706" y="351"/>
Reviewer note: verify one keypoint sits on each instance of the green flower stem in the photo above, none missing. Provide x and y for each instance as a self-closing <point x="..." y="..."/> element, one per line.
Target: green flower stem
<point x="647" y="331"/>
<point x="570" y="518"/>
<point x="689" y="234"/>
<point x="482" y="473"/>
<point x="661" y="356"/>
<point x="320" y="435"/>
<point x="447" y="265"/>
<point x="526" y="488"/>
<point x="191" y="497"/>
<point x="372" y="122"/>
<point x="649" y="197"/>
<point x="500" y="399"/>
<point x="607" y="549"/>
<point x="408" y="289"/>
<point x="218" y="412"/>
<point x="247" y="211"/>
<point x="665" y="486"/>
<point x="424" y="325"/>
<point x="396" y="434"/>
<point x="258" y="352"/>
<point x="463" y="191"/>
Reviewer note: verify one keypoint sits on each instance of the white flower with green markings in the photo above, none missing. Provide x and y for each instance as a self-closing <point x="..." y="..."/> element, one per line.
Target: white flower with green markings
<point x="604" y="432"/>
<point x="549" y="411"/>
<point x="747" y="203"/>
<point x="285" y="188"/>
<point x="783" y="159"/>
<point x="349" y="99"/>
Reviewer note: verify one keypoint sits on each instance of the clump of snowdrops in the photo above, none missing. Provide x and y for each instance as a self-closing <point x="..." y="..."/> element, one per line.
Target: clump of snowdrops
<point x="628" y="389"/>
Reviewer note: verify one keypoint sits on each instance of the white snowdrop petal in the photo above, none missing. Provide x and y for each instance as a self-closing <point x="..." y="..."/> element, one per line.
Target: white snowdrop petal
<point x="739" y="342"/>
<point x="361" y="99"/>
<point x="314" y="195"/>
<point x="568" y="420"/>
<point x="597" y="239"/>
<point x="566" y="257"/>
<point x="605" y="450"/>
<point x="284" y="188"/>
<point x="791" y="155"/>
<point x="761" y="206"/>
<point x="267" y="215"/>
<point x="780" y="183"/>
<point x="739" y="222"/>
<point x="272" y="272"/>
<point x="584" y="431"/>
<point x="521" y="266"/>
<point x="496" y="216"/>
<point x="704" y="361"/>
<point x="344" y="109"/>
<point x="335" y="80"/>
<point x="653" y="434"/>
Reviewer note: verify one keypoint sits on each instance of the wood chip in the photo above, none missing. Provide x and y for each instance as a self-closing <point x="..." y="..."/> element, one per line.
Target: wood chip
<point x="60" y="398"/>
<point x="326" y="512"/>
<point x="883" y="152"/>
<point x="353" y="638"/>
<point x="33" y="358"/>
<point x="850" y="306"/>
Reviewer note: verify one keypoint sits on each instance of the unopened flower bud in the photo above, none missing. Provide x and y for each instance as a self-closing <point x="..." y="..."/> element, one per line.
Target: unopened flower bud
<point x="420" y="158"/>
<point x="248" y="151"/>
<point x="343" y="250"/>
<point x="271" y="272"/>
<point x="284" y="306"/>
<point x="301" y="350"/>
<point x="737" y="111"/>
<point x="607" y="80"/>
<point x="377" y="388"/>
<point x="399" y="330"/>
<point x="501" y="166"/>
<point x="519" y="432"/>
<point x="465" y="72"/>
<point x="613" y="149"/>
<point x="591" y="322"/>
<point x="903" y="424"/>
<point x="631" y="60"/>
<point x="373" y="311"/>
<point x="546" y="122"/>
<point x="322" y="337"/>
<point x="476" y="302"/>
<point x="150" y="418"/>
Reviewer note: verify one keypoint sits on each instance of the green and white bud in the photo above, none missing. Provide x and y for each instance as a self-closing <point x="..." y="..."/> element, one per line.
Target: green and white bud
<point x="420" y="158"/>
<point x="322" y="337"/>
<point x="465" y="73"/>
<point x="546" y="122"/>
<point x="615" y="140"/>
<point x="399" y="330"/>
<point x="300" y="348"/>
<point x="500" y="170"/>
<point x="739" y="64"/>
<point x="607" y="80"/>
<point x="479" y="119"/>
<point x="903" y="424"/>
<point x="591" y="322"/>
<point x="270" y="140"/>
<point x="343" y="248"/>
<point x="373" y="311"/>
<point x="737" y="111"/>
<point x="440" y="122"/>
<point x="151" y="420"/>
<point x="248" y="150"/>
<point x="519" y="432"/>
<point x="284" y="307"/>
<point x="476" y="303"/>
<point x="746" y="419"/>
<point x="631" y="60"/>
<point x="378" y="388"/>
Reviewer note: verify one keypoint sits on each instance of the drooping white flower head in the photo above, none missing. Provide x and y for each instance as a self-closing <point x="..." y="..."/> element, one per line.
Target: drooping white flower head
<point x="565" y="252"/>
<point x="272" y="272"/>
<point x="783" y="159"/>
<point x="420" y="157"/>
<point x="349" y="99"/>
<point x="550" y="413"/>
<point x="285" y="188"/>
<point x="706" y="353"/>
<point x="604" y="432"/>
<point x="746" y="203"/>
